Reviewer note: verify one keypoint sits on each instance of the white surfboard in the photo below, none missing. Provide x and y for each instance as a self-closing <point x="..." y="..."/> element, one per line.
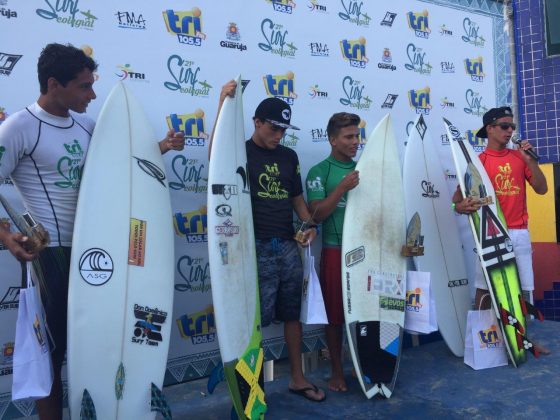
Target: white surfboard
<point x="121" y="275"/>
<point x="233" y="264"/>
<point x="426" y="194"/>
<point x="373" y="270"/>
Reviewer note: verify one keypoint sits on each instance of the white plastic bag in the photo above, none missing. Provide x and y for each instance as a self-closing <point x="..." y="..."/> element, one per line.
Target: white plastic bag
<point x="312" y="304"/>
<point x="33" y="372"/>
<point x="484" y="343"/>
<point x="420" y="316"/>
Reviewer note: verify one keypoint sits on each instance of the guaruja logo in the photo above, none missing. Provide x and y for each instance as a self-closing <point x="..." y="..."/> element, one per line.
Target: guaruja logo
<point x="126" y="72"/>
<point x="195" y="272"/>
<point x="283" y="6"/>
<point x="471" y="35"/>
<point x="352" y="12"/>
<point x="234" y="38"/>
<point x="276" y="42"/>
<point x="319" y="49"/>
<point x="316" y="93"/>
<point x="7" y="13"/>
<point x="147" y="329"/>
<point x="314" y="6"/>
<point x="188" y="175"/>
<point x="68" y="13"/>
<point x="185" y="77"/>
<point x="186" y="25"/>
<point x="390" y="100"/>
<point x="289" y="140"/>
<point x="151" y="169"/>
<point x="96" y="266"/>
<point x="354" y="95"/>
<point x="192" y="125"/>
<point x="8" y="62"/>
<point x="318" y="135"/>
<point x="389" y="19"/>
<point x="129" y="20"/>
<point x="386" y="59"/>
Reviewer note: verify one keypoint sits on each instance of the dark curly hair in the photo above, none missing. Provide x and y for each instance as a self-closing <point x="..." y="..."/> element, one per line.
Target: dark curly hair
<point x="63" y="62"/>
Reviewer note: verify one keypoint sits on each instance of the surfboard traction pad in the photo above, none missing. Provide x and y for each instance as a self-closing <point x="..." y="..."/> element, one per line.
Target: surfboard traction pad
<point x="378" y="353"/>
<point x="158" y="403"/>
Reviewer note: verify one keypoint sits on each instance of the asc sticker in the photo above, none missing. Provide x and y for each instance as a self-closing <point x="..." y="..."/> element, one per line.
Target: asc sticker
<point x="96" y="266"/>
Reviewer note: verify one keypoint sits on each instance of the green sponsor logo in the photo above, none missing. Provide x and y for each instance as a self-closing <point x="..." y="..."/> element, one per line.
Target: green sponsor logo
<point x="392" y="304"/>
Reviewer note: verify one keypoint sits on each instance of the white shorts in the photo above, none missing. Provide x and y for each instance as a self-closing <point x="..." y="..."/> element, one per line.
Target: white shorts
<point x="521" y="242"/>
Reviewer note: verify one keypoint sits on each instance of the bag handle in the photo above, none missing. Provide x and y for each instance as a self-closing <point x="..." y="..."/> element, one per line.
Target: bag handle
<point x="28" y="267"/>
<point x="482" y="300"/>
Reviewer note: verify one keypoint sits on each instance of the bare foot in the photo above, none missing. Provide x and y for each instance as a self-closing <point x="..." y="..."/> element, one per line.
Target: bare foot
<point x="337" y="384"/>
<point x="541" y="349"/>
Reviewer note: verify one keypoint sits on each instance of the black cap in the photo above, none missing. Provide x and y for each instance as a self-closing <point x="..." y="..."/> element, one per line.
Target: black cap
<point x="275" y="111"/>
<point x="491" y="116"/>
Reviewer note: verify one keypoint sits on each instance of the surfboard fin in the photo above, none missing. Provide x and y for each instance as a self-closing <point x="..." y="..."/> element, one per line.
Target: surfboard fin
<point x="87" y="410"/>
<point x="216" y="376"/>
<point x="159" y="403"/>
<point x="529" y="309"/>
<point x="509" y="319"/>
<point x="523" y="343"/>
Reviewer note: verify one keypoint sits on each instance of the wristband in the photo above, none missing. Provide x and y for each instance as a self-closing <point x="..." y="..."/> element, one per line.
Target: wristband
<point x="454" y="207"/>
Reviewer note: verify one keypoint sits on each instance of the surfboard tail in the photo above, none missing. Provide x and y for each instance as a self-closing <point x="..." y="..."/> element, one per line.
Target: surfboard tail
<point x="159" y="403"/>
<point x="87" y="410"/>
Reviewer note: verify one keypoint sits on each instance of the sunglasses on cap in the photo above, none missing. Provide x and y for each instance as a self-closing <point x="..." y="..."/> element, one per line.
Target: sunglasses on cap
<point x="505" y="125"/>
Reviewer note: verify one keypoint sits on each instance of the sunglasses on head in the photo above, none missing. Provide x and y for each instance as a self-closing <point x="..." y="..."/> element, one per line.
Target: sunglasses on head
<point x="505" y="125"/>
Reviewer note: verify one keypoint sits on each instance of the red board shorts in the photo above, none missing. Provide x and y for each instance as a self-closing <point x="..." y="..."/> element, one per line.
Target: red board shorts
<point x="331" y="284"/>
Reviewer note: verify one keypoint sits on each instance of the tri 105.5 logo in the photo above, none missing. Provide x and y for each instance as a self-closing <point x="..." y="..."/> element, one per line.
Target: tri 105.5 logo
<point x="419" y="99"/>
<point x="489" y="338"/>
<point x="354" y="51"/>
<point x="419" y="23"/>
<point x="473" y="67"/>
<point x="281" y="86"/>
<point x="191" y="124"/>
<point x="283" y="6"/>
<point x="477" y="143"/>
<point x="199" y="326"/>
<point x="187" y="26"/>
<point x="193" y="225"/>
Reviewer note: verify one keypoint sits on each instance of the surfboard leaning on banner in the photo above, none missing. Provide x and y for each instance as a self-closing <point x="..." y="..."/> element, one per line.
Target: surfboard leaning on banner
<point x="494" y="248"/>
<point x="233" y="263"/>
<point x="120" y="297"/>
<point x="373" y="270"/>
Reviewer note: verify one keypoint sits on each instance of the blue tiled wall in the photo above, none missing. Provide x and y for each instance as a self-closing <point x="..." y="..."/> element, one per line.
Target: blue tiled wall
<point x="539" y="81"/>
<point x="550" y="305"/>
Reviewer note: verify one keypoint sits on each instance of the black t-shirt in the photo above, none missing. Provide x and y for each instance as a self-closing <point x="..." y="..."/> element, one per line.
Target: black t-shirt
<point x="275" y="179"/>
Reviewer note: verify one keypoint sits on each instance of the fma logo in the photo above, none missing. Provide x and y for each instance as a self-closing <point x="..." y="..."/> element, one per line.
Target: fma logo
<point x="319" y="49"/>
<point x="193" y="225"/>
<point x="489" y="338"/>
<point x="473" y="67"/>
<point x="417" y="60"/>
<point x="233" y="36"/>
<point x="190" y="124"/>
<point x="352" y="12"/>
<point x="185" y="75"/>
<point x="276" y="43"/>
<point x="129" y="20"/>
<point x="281" y="86"/>
<point x="419" y="23"/>
<point x="316" y="93"/>
<point x="289" y="140"/>
<point x="68" y="13"/>
<point x="147" y="329"/>
<point x="471" y="35"/>
<point x="354" y="51"/>
<point x="200" y="326"/>
<point x="420" y="100"/>
<point x="413" y="298"/>
<point x="126" y="72"/>
<point x="186" y="25"/>
<point x="474" y="103"/>
<point x="318" y="135"/>
<point x="447" y="67"/>
<point x="390" y="101"/>
<point x="354" y="94"/>
<point x="476" y="142"/>
<point x="283" y="6"/>
<point x="389" y="19"/>
<point x="8" y="62"/>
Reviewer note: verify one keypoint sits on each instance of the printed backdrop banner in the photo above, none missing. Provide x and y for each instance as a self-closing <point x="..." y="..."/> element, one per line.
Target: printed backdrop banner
<point x="440" y="58"/>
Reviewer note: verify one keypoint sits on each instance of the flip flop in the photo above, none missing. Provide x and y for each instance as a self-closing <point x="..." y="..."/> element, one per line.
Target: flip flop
<point x="304" y="393"/>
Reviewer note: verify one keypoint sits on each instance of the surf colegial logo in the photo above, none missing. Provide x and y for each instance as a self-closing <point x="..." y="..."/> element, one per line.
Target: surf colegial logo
<point x="147" y="329"/>
<point x="96" y="266"/>
<point x="151" y="169"/>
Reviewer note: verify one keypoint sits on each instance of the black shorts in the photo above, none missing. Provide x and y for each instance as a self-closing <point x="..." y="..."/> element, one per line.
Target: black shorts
<point x="52" y="268"/>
